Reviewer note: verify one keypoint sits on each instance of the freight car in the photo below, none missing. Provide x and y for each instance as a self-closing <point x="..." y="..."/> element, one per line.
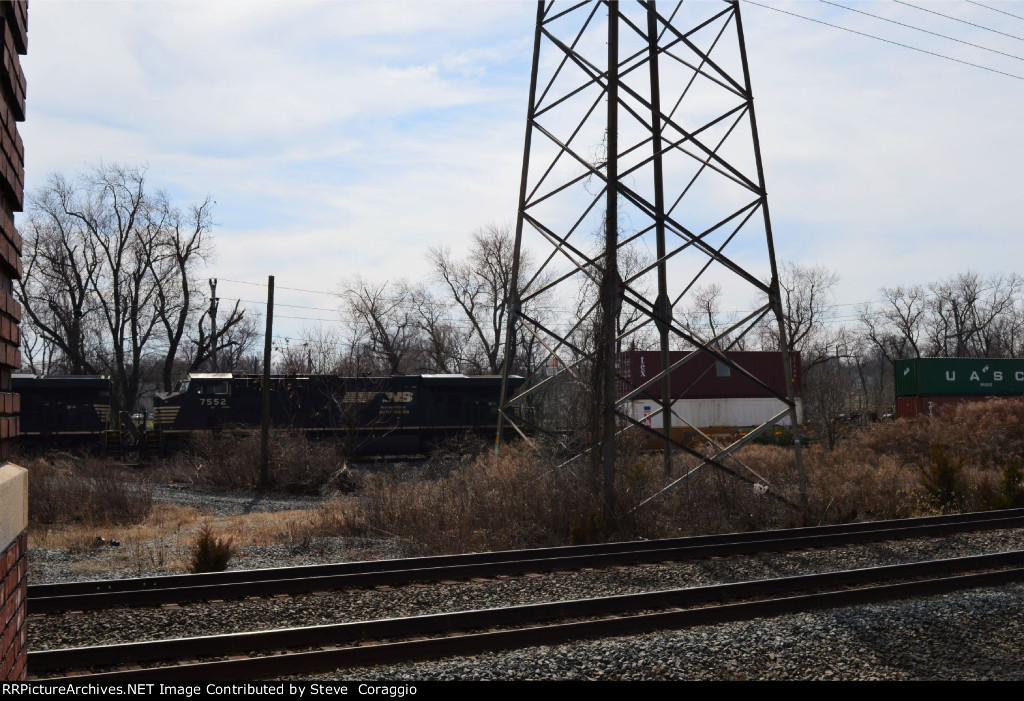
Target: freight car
<point x="62" y="410"/>
<point x="397" y="415"/>
<point x="708" y="394"/>
<point x="926" y="386"/>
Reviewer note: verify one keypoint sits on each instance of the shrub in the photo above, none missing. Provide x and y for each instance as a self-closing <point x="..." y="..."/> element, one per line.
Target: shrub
<point x="64" y="489"/>
<point x="211" y="553"/>
<point x="943" y="479"/>
<point x="1011" y="492"/>
<point x="778" y="435"/>
<point x="231" y="459"/>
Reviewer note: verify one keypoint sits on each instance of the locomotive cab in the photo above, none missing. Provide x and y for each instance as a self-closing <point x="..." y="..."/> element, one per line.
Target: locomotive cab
<point x="201" y="402"/>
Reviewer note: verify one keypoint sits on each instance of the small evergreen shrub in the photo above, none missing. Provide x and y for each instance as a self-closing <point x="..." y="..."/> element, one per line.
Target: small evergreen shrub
<point x="211" y="553"/>
<point x="943" y="480"/>
<point x="1011" y="490"/>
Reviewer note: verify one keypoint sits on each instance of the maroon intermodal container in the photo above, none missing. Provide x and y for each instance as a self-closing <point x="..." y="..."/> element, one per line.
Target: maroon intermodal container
<point x="705" y="377"/>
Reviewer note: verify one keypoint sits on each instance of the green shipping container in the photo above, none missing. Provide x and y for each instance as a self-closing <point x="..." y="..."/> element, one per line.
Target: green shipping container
<point x="959" y="376"/>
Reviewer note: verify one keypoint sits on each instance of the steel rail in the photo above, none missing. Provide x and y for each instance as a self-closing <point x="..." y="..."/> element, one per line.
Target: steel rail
<point x="709" y="604"/>
<point x="81" y="596"/>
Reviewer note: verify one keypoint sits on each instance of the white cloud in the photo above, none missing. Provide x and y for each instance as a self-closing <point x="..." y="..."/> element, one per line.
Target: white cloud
<point x="343" y="137"/>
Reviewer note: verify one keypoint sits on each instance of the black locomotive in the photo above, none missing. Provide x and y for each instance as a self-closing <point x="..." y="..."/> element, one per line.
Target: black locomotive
<point x="397" y="415"/>
<point x="62" y="409"/>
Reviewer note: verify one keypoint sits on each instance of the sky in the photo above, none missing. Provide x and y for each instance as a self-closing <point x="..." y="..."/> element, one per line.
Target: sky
<point x="346" y="138"/>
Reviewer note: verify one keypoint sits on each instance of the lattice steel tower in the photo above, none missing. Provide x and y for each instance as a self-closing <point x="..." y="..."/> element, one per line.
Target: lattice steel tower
<point x="642" y="186"/>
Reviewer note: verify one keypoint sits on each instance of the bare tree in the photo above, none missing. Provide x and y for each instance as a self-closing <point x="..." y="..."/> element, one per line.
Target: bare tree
<point x="808" y="309"/>
<point x="185" y="243"/>
<point x="238" y="334"/>
<point x="480" y="285"/>
<point x="966" y="311"/>
<point x="383" y="323"/>
<point x="444" y="345"/>
<point x="56" y="289"/>
<point x="317" y="350"/>
<point x="108" y="271"/>
<point x="896" y="326"/>
<point x="703" y="317"/>
<point x="964" y="315"/>
<point x="114" y="211"/>
<point x="38" y="353"/>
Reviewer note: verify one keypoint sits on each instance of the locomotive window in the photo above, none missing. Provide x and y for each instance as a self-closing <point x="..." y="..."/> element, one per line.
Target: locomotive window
<point x="219" y="388"/>
<point x="183" y="387"/>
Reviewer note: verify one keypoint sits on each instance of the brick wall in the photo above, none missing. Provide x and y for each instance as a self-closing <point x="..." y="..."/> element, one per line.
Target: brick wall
<point x="13" y="479"/>
<point x="13" y="44"/>
<point x="13" y="567"/>
<point x="12" y="610"/>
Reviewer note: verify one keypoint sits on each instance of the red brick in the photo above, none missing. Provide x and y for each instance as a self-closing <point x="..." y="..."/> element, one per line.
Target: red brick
<point x="7" y="666"/>
<point x="7" y="640"/>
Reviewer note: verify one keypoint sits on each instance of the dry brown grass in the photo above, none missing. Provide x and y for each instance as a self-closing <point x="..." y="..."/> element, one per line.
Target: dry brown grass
<point x="523" y="498"/>
<point x="163" y="541"/>
<point x="516" y="499"/>
<point x="68" y="489"/>
<point x="231" y="459"/>
<point x="470" y="500"/>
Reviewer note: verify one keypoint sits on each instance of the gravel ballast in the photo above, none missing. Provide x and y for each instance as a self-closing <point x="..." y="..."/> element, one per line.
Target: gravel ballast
<point x="967" y="635"/>
<point x="976" y="635"/>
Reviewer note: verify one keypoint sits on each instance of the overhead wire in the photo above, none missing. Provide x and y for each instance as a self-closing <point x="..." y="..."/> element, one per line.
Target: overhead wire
<point x="466" y="325"/>
<point x="957" y="19"/>
<point x="280" y="287"/>
<point x="920" y="29"/>
<point x="995" y="9"/>
<point x="887" y="41"/>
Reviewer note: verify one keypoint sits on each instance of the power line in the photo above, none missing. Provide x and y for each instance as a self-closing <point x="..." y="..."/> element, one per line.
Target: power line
<point x="926" y="31"/>
<point x="995" y="9"/>
<point x="307" y="318"/>
<point x="278" y="304"/>
<point x="293" y="289"/>
<point x="957" y="19"/>
<point x="887" y="41"/>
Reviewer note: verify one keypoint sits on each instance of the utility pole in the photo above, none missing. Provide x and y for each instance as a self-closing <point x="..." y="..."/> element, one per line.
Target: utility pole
<point x="265" y="422"/>
<point x="213" y="324"/>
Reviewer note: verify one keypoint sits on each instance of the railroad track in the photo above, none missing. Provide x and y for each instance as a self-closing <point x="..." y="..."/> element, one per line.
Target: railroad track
<point x="325" y="648"/>
<point x="153" y="591"/>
